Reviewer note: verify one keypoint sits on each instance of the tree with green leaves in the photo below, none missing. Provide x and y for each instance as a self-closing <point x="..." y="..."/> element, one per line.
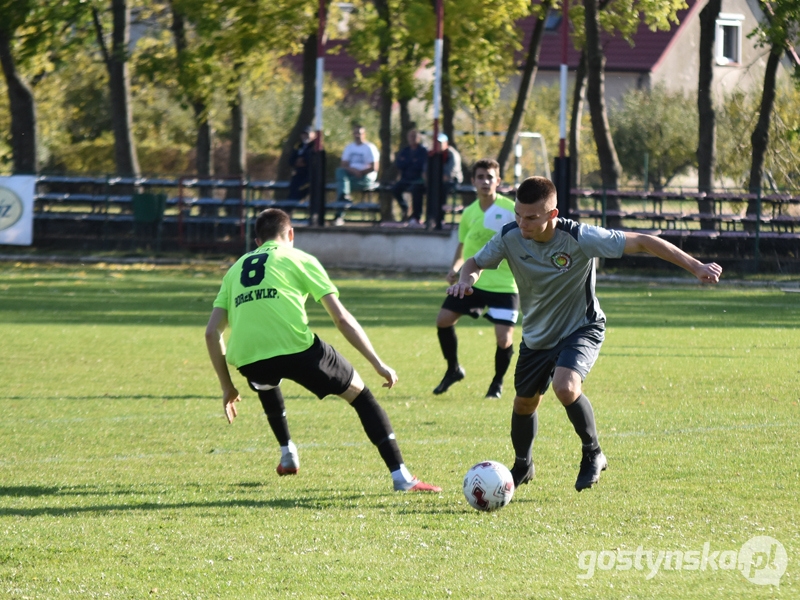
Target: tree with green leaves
<point x="20" y="97"/>
<point x="480" y="43"/>
<point x="621" y="18"/>
<point x="116" y="55"/>
<point x="654" y="124"/>
<point x="777" y="32"/>
<point x="527" y="80"/>
<point x="478" y="50"/>
<point x="35" y="37"/>
<point x="194" y="80"/>
<point x="380" y="34"/>
<point x="738" y="115"/>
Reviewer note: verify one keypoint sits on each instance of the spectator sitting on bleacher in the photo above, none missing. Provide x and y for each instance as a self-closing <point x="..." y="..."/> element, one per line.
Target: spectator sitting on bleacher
<point x="359" y="168"/>
<point x="411" y="161"/>
<point x="452" y="175"/>
<point x="300" y="161"/>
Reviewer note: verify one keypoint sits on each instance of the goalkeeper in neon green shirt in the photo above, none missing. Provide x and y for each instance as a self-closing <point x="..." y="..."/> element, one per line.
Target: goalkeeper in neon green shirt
<point x="262" y="298"/>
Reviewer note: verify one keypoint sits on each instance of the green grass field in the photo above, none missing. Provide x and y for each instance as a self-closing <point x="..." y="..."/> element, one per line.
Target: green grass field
<point x="120" y="478"/>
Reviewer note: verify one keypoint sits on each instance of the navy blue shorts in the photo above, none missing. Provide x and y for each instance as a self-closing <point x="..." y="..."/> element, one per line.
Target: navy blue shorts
<point x="578" y="352"/>
<point x="320" y="369"/>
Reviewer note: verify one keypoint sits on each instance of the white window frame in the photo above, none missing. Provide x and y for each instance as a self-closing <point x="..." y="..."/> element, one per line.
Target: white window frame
<point x="728" y="20"/>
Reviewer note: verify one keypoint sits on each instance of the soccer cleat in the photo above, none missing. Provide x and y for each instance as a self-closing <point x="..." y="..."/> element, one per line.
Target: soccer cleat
<point x="289" y="465"/>
<point x="449" y="379"/>
<point x="592" y="464"/>
<point x="522" y="472"/>
<point x="415" y="486"/>
<point x="495" y="390"/>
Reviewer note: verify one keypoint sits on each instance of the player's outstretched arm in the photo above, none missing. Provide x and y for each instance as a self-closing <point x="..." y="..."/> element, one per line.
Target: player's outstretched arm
<point x="640" y="242"/>
<point x="355" y="334"/>
<point x="216" y="351"/>
<point x="470" y="273"/>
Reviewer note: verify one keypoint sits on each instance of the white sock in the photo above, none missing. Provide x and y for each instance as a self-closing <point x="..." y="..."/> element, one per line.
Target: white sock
<point x="289" y="450"/>
<point x="402" y="475"/>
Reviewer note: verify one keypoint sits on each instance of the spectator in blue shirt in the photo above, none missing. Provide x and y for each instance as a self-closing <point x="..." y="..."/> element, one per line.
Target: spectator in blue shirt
<point x="411" y="161"/>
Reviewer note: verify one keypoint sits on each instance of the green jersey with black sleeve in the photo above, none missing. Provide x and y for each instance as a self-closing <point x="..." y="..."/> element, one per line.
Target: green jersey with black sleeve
<point x="556" y="279"/>
<point x="476" y="228"/>
<point x="265" y="294"/>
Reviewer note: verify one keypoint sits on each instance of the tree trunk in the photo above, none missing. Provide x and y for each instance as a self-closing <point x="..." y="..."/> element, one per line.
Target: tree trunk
<point x="760" y="137"/>
<point x="523" y="94"/>
<point x="237" y="159"/>
<point x="405" y="121"/>
<point x="23" y="112"/>
<point x="204" y="164"/>
<point x="578" y="96"/>
<point x="385" y="131"/>
<point x="119" y="83"/>
<point x="406" y="93"/>
<point x="307" y="105"/>
<point x="707" y="125"/>
<point x="595" y="95"/>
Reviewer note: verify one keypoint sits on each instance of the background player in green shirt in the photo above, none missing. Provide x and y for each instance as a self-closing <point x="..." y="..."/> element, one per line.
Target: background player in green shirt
<point x="496" y="289"/>
<point x="263" y="298"/>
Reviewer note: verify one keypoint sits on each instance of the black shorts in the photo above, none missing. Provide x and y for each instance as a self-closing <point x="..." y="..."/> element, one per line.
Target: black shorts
<point x="503" y="307"/>
<point x="320" y="369"/>
<point x="577" y="352"/>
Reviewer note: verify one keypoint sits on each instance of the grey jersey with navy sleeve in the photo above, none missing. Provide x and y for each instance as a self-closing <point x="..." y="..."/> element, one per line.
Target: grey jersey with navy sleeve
<point x="556" y="279"/>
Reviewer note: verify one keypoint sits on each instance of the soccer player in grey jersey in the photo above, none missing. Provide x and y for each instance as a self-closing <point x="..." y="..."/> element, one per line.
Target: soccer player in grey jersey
<point x="563" y="327"/>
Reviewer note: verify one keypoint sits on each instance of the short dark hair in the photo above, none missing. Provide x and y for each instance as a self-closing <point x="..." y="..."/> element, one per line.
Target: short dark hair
<point x="535" y="189"/>
<point x="271" y="224"/>
<point x="486" y="163"/>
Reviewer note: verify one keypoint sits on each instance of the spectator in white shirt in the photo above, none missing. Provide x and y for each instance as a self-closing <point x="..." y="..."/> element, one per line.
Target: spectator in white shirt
<point x="358" y="170"/>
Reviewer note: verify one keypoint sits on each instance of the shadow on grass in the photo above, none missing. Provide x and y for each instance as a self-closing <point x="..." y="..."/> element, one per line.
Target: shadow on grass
<point x="324" y="499"/>
<point x="190" y="305"/>
<point x="306" y="503"/>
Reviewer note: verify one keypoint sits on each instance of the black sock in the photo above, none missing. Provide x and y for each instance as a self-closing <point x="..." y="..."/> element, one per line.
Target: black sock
<point x="523" y="432"/>
<point x="502" y="360"/>
<point x="378" y="428"/>
<point x="582" y="416"/>
<point x="449" y="343"/>
<point x="274" y="408"/>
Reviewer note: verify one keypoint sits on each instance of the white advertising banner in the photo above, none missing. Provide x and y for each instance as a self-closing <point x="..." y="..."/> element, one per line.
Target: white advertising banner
<point x="16" y="209"/>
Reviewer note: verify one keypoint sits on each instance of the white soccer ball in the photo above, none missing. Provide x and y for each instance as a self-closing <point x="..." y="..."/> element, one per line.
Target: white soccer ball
<point x="488" y="486"/>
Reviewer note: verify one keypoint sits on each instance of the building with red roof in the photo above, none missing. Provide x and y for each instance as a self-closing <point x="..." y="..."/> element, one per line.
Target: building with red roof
<point x="669" y="58"/>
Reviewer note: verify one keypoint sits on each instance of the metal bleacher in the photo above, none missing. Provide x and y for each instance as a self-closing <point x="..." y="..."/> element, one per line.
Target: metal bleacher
<point x="216" y="212"/>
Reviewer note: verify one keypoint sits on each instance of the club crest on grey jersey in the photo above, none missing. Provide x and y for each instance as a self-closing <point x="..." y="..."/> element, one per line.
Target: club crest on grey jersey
<point x="561" y="261"/>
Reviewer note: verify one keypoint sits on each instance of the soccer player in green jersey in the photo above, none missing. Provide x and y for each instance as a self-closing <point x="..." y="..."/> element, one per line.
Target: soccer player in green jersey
<point x="262" y="298"/>
<point x="563" y="327"/>
<point x="496" y="290"/>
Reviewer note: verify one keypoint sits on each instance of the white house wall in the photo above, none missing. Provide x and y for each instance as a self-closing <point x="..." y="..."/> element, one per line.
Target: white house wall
<point x="678" y="69"/>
